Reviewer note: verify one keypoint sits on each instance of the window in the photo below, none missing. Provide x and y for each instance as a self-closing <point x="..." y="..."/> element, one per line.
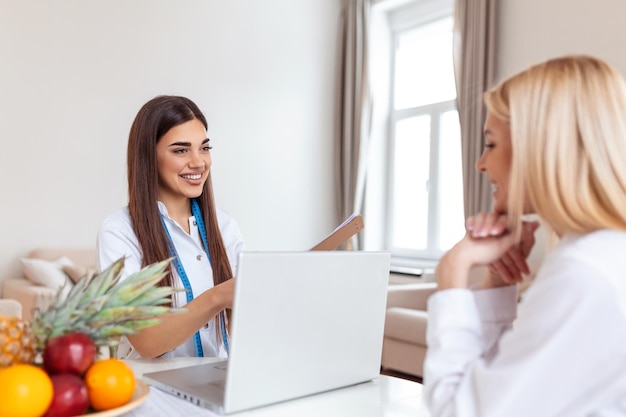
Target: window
<point x="420" y="172"/>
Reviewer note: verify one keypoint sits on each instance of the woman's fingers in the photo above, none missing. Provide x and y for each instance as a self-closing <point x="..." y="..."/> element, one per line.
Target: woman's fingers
<point x="509" y="268"/>
<point x="515" y="259"/>
<point x="502" y="272"/>
<point x="527" y="238"/>
<point x="511" y="265"/>
<point x="486" y="225"/>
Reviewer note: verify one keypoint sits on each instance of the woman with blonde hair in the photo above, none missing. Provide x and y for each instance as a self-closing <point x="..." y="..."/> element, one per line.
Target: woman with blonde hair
<point x="555" y="145"/>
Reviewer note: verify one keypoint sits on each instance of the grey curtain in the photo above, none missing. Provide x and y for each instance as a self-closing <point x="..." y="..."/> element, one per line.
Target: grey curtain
<point x="354" y="109"/>
<point x="474" y="50"/>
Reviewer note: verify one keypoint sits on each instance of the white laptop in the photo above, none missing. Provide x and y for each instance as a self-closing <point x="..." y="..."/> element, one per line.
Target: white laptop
<point x="302" y="323"/>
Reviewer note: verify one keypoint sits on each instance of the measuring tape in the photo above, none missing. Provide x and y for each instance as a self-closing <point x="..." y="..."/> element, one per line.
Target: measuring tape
<point x="195" y="209"/>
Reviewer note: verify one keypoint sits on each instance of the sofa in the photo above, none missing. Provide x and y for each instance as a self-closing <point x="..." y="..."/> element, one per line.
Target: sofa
<point x="45" y="272"/>
<point x="10" y="307"/>
<point x="404" y="343"/>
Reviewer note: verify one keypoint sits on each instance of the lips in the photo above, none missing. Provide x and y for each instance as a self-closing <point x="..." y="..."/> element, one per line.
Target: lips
<point x="192" y="177"/>
<point x="194" y="180"/>
<point x="494" y="190"/>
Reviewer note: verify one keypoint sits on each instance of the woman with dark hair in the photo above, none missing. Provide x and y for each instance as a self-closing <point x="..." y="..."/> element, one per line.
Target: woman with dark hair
<point x="171" y="213"/>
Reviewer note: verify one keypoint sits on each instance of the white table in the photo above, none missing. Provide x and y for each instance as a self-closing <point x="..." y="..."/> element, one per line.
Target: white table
<point x="383" y="397"/>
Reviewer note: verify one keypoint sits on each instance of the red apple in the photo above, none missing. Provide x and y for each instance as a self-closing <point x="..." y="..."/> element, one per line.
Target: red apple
<point x="70" y="396"/>
<point x="73" y="353"/>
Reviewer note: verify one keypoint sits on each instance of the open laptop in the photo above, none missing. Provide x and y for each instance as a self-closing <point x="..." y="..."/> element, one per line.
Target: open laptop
<point x="302" y="323"/>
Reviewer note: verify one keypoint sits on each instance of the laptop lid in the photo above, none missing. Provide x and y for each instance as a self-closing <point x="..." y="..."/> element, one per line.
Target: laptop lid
<point x="302" y="323"/>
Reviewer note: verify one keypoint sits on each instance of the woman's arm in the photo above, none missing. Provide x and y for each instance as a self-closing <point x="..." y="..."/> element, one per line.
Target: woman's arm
<point x="115" y="241"/>
<point x="566" y="343"/>
<point x="176" y="329"/>
<point x="116" y="238"/>
<point x="487" y="239"/>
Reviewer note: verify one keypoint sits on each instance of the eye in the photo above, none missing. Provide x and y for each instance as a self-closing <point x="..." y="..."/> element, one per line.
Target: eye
<point x="207" y="148"/>
<point x="180" y="150"/>
<point x="489" y="145"/>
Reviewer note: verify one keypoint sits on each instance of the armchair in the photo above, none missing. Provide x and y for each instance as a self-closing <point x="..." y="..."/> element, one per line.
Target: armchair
<point x="9" y="307"/>
<point x="404" y="343"/>
<point x="34" y="295"/>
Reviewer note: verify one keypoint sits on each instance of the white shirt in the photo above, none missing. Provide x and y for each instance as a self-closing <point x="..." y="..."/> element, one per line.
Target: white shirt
<point x="565" y="354"/>
<point x="117" y="239"/>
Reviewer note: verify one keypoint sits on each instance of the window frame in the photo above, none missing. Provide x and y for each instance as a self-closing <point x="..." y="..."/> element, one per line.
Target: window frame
<point x="434" y="111"/>
<point x="400" y="16"/>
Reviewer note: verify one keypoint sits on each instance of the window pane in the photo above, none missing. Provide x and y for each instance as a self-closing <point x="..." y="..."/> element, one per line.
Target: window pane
<point x="451" y="215"/>
<point x="423" y="65"/>
<point x="411" y="165"/>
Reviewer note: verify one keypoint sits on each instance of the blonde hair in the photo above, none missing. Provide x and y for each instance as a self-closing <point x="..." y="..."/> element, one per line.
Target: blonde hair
<point x="568" y="132"/>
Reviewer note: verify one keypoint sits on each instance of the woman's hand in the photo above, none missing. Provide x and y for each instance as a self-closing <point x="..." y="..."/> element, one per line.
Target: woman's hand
<point x="509" y="268"/>
<point x="487" y="240"/>
<point x="175" y="329"/>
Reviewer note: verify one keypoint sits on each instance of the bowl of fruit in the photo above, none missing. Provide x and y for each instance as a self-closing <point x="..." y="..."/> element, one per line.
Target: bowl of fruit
<point x="53" y="366"/>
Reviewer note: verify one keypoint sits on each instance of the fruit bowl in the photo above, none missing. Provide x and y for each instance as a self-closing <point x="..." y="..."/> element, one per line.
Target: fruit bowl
<point x="139" y="397"/>
<point x="49" y="364"/>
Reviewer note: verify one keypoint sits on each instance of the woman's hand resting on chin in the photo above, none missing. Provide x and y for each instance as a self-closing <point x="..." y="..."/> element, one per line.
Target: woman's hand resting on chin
<point x="487" y="241"/>
<point x="511" y="266"/>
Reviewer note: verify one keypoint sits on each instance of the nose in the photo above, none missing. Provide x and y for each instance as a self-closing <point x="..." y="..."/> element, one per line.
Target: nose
<point x="196" y="160"/>
<point x="480" y="164"/>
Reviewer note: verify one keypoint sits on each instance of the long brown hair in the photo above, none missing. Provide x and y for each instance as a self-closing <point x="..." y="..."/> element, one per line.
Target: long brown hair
<point x="154" y="120"/>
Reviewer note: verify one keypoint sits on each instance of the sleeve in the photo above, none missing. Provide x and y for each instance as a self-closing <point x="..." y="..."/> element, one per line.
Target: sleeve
<point x="477" y="366"/>
<point x="116" y="239"/>
<point x="233" y="239"/>
<point x="497" y="309"/>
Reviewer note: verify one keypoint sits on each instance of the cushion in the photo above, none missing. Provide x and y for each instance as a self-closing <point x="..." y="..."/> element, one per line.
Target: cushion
<point x="10" y="307"/>
<point x="76" y="272"/>
<point x="407" y="325"/>
<point x="47" y="273"/>
<point x="79" y="256"/>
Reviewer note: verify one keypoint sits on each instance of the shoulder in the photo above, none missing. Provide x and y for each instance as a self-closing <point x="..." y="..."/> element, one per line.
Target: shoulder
<point x="587" y="264"/>
<point x="116" y="238"/>
<point x="231" y="236"/>
<point x="117" y="224"/>
<point x="116" y="220"/>
<point x="227" y="223"/>
<point x="602" y="250"/>
<point x="581" y="281"/>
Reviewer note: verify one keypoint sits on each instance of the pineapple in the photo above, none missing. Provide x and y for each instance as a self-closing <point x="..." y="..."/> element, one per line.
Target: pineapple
<point x="99" y="306"/>
<point x="16" y="341"/>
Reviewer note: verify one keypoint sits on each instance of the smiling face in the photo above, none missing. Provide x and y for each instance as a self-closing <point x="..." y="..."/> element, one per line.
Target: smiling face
<point x="495" y="160"/>
<point x="184" y="161"/>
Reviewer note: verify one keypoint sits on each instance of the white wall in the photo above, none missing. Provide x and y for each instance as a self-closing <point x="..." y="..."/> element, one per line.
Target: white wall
<point x="74" y="73"/>
<point x="531" y="31"/>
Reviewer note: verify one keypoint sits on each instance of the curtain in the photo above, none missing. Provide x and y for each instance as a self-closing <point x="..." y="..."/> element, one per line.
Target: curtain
<point x="474" y="51"/>
<point x="354" y="105"/>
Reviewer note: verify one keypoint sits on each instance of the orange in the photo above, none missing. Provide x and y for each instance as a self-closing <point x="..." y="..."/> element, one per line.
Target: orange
<point x="25" y="391"/>
<point x="110" y="383"/>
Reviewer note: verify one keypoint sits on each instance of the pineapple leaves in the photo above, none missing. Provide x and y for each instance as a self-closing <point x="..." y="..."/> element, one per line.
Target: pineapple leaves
<point x="105" y="307"/>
